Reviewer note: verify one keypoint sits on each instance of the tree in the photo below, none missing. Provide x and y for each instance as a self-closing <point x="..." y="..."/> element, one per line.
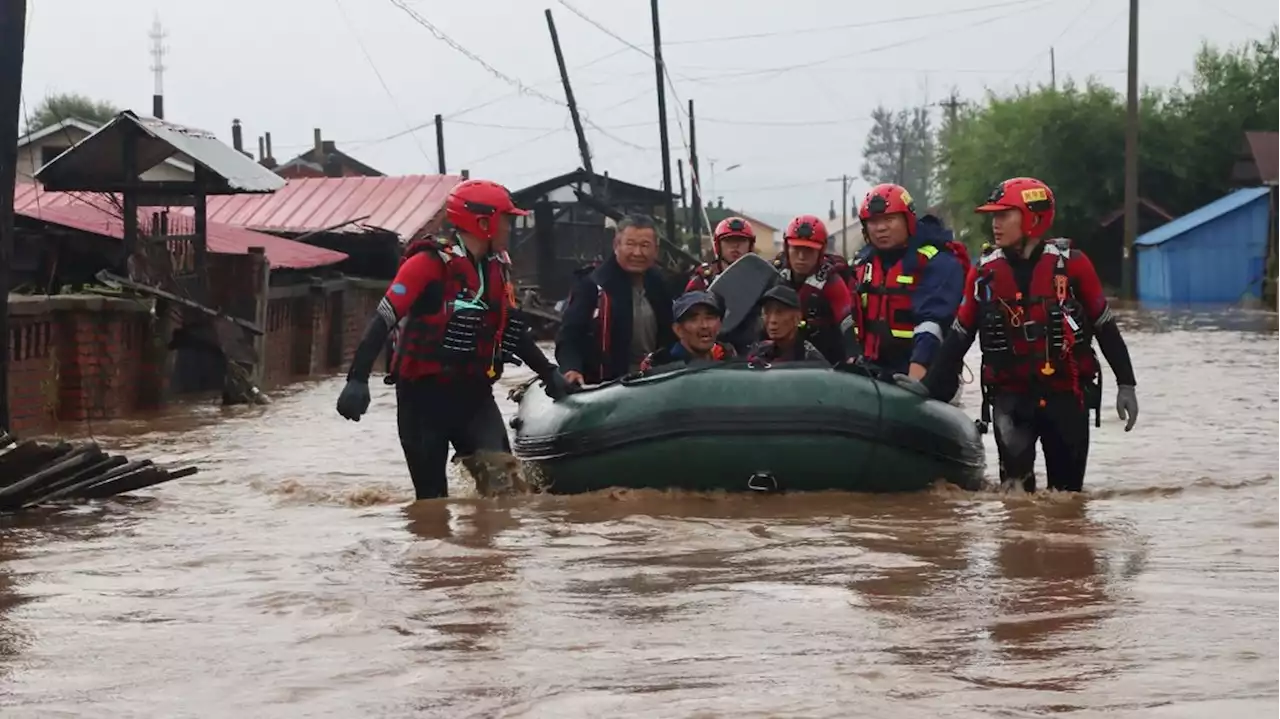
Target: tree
<point x="56" y="108"/>
<point x="1073" y="139"/>
<point x="900" y="149"/>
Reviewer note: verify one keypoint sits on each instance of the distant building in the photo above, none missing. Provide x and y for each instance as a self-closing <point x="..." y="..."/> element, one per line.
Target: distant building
<point x="768" y="236"/>
<point x="1105" y="247"/>
<point x="325" y="160"/>
<point x="1258" y="161"/>
<point x="1214" y="255"/>
<point x="39" y="148"/>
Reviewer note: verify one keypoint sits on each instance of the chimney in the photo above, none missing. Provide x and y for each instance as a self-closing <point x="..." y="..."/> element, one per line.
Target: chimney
<point x="237" y="137"/>
<point x="831" y="213"/>
<point x="319" y="151"/>
<point x="466" y="174"/>
<point x="261" y="151"/>
<point x="268" y="162"/>
<point x="157" y="106"/>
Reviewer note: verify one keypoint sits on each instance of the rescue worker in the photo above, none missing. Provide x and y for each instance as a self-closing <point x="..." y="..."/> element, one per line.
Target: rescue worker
<point x="1036" y="307"/>
<point x="824" y="297"/>
<point x="782" y="316"/>
<point x="908" y="281"/>
<point x="838" y="264"/>
<point x="697" y="316"/>
<point x="618" y="313"/>
<point x="459" y="305"/>
<point x="733" y="238"/>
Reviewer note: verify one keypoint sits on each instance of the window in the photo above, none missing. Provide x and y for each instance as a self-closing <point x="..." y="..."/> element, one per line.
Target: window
<point x="48" y="152"/>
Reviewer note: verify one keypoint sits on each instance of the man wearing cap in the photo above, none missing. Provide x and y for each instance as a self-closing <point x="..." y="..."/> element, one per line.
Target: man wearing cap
<point x="697" y="325"/>
<point x="618" y="313"/>
<point x="782" y="316"/>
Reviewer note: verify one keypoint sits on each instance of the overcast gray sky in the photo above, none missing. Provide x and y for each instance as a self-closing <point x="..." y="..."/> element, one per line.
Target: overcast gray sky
<point x="287" y="66"/>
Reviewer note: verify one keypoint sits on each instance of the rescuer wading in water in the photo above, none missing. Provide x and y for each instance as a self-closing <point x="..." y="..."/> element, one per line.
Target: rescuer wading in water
<point x="1035" y="305"/>
<point x="461" y="326"/>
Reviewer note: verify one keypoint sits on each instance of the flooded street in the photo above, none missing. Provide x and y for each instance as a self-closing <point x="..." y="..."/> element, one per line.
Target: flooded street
<point x="290" y="578"/>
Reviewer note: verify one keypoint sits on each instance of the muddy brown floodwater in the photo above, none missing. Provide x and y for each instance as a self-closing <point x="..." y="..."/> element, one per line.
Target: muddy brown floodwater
<point x="292" y="579"/>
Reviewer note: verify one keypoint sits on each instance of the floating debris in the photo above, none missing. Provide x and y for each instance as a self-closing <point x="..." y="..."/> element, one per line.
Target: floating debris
<point x="34" y="473"/>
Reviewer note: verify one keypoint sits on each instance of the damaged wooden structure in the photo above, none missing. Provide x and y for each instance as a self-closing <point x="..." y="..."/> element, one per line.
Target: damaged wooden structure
<point x="168" y="265"/>
<point x="571" y="227"/>
<point x="34" y="473"/>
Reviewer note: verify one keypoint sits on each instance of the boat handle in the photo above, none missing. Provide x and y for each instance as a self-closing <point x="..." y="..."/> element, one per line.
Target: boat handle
<point x="762" y="482"/>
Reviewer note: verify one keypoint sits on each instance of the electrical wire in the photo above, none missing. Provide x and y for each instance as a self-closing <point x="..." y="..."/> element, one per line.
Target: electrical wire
<point x="514" y="82"/>
<point x="385" y="88"/>
<point x="1037" y="58"/>
<point x="848" y="26"/>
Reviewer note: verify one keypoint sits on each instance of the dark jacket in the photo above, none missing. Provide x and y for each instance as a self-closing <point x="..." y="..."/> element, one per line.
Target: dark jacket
<point x="801" y="351"/>
<point x="578" y="343"/>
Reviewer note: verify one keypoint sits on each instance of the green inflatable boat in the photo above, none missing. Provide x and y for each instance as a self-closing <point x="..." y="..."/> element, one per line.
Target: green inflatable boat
<point x="736" y="427"/>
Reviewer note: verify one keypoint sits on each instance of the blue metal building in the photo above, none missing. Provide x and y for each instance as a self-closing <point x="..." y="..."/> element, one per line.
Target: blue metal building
<point x="1214" y="255"/>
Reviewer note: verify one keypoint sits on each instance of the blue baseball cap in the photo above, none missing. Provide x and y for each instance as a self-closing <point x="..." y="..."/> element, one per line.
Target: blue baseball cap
<point x="686" y="302"/>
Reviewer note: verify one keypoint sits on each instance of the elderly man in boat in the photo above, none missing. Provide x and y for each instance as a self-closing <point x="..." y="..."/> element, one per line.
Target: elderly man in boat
<point x="697" y="324"/>
<point x="619" y="313"/>
<point x="781" y="316"/>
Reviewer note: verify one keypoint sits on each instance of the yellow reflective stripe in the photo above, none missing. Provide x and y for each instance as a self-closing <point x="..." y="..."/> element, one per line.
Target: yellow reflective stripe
<point x="928" y="251"/>
<point x="903" y="334"/>
<point x="906" y="279"/>
<point x="864" y="299"/>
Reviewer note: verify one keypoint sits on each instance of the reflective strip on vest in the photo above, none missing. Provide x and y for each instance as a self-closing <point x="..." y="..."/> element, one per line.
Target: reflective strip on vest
<point x="929" y="328"/>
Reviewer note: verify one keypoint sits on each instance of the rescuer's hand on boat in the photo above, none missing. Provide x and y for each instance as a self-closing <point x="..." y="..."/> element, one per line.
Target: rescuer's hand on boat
<point x="1127" y="405"/>
<point x="556" y="384"/>
<point x="574" y="378"/>
<point x="911" y="384"/>
<point x="354" y="400"/>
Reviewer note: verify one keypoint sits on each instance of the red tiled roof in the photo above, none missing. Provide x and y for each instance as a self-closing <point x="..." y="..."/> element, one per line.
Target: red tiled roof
<point x="403" y="205"/>
<point x="1265" y="147"/>
<point x="95" y="214"/>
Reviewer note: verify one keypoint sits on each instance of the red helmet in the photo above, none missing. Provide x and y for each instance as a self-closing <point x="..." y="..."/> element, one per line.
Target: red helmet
<point x="733" y="228"/>
<point x="889" y="199"/>
<point x="1029" y="196"/>
<point x="472" y="200"/>
<point x="806" y="231"/>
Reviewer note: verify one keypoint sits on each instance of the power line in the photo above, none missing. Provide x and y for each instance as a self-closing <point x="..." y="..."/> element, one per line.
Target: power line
<point x="848" y="26"/>
<point x="866" y="51"/>
<point x="1038" y="56"/>
<point x="390" y="96"/>
<point x="514" y="82"/>
<point x="783" y="123"/>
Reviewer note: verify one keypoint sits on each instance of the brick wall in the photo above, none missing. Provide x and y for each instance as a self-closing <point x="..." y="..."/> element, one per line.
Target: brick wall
<point x="279" y="359"/>
<point x="75" y="358"/>
<point x="33" y="373"/>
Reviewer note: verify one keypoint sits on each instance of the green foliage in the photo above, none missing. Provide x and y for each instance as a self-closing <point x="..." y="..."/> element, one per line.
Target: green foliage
<point x="1073" y="139"/>
<point x="900" y="148"/>
<point x="56" y="108"/>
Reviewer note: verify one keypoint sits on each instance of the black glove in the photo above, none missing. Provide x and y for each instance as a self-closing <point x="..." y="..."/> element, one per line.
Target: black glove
<point x="354" y="400"/>
<point x="556" y="386"/>
<point x="461" y="334"/>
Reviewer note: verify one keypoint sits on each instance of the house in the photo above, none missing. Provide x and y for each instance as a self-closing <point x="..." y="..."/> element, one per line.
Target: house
<point x="39" y="148"/>
<point x="324" y="160"/>
<point x="1214" y="255"/>
<point x="768" y="236"/>
<point x="1257" y="163"/>
<point x="367" y="218"/>
<point x="1105" y="247"/>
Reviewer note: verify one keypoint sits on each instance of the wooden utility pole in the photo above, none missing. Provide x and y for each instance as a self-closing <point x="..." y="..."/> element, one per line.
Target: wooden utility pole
<point x="13" y="25"/>
<point x="662" y="124"/>
<point x="1127" y="278"/>
<point x="684" y="205"/>
<point x="695" y="179"/>
<point x="844" y="216"/>
<point x="583" y="149"/>
<point x="440" y="144"/>
<point x="1053" y="70"/>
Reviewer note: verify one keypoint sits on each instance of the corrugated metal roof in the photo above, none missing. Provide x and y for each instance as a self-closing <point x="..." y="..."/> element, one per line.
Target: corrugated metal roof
<point x="1192" y="220"/>
<point x="1265" y="147"/>
<point x="97" y="161"/>
<point x="96" y="214"/>
<point x="403" y="205"/>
